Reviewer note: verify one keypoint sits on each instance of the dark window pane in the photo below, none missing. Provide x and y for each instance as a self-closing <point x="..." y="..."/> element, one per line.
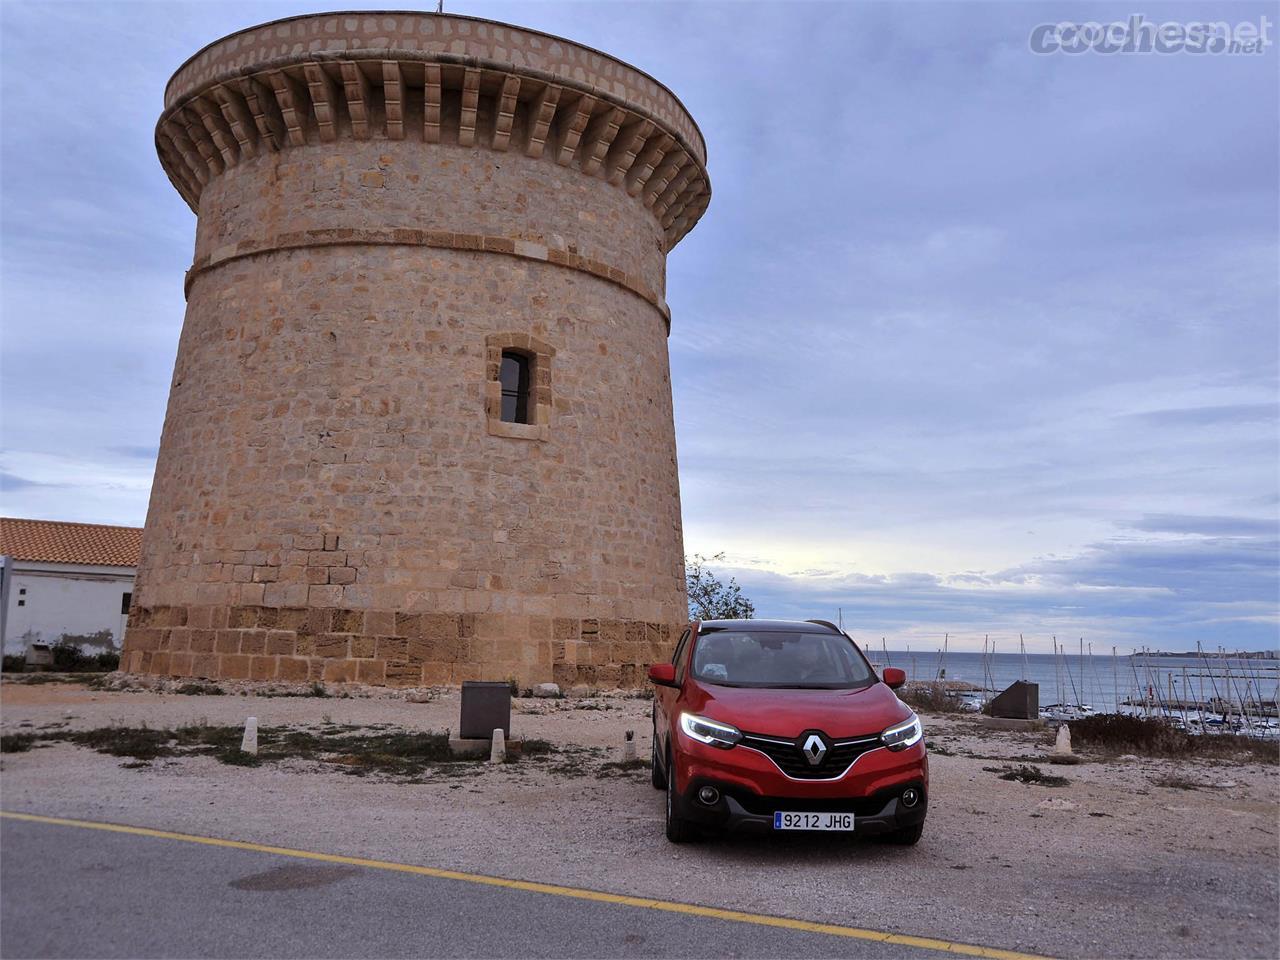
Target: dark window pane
<point x="125" y="600"/>
<point x="514" y="377"/>
<point x="511" y="372"/>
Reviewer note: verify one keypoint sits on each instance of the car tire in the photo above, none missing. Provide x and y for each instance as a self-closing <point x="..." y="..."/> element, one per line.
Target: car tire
<point x="679" y="830"/>
<point x="907" y="836"/>
<point x="657" y="776"/>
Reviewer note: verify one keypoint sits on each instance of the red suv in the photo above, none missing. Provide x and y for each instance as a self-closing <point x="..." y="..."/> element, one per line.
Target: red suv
<point x="783" y="725"/>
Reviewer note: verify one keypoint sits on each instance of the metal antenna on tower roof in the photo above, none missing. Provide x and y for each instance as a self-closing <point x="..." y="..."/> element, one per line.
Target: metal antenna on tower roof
<point x="439" y="6"/>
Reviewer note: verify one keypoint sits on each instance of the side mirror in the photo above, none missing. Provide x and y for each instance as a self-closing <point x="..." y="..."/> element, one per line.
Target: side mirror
<point x="664" y="674"/>
<point x="894" y="678"/>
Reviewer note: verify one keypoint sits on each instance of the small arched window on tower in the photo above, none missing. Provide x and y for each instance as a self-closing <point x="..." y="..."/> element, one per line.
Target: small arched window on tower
<point x="514" y="377"/>
<point x="517" y="390"/>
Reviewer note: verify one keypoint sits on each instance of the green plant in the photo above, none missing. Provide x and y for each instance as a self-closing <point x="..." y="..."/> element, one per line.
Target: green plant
<point x="68" y="658"/>
<point x="1027" y="773"/>
<point x="623" y="767"/>
<point x="16" y="742"/>
<point x="199" y="688"/>
<point x="236" y="757"/>
<point x="14" y="663"/>
<point x="1122" y="733"/>
<point x="141" y="743"/>
<point x="1178" y="783"/>
<point x="930" y="697"/>
<point x="709" y="599"/>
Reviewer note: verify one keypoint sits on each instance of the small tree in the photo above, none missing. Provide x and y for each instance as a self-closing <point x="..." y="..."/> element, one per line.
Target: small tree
<point x="709" y="599"/>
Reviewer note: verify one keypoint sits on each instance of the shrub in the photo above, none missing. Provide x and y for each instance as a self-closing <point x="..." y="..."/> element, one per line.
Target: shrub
<point x="16" y="742"/>
<point x="928" y="696"/>
<point x="199" y="688"/>
<point x="234" y="756"/>
<point x="14" y="663"/>
<point x="1177" y="783"/>
<point x="1123" y="733"/>
<point x="107" y="662"/>
<point x="68" y="658"/>
<point x="1027" y="773"/>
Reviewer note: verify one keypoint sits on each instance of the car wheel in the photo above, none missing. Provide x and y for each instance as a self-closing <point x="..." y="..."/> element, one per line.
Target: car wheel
<point x="678" y="830"/>
<point x="656" y="775"/>
<point x="907" y="836"/>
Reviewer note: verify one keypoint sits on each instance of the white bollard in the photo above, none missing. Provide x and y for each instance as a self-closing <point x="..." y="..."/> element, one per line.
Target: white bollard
<point x="1063" y="745"/>
<point x="498" y="751"/>
<point x="629" y="747"/>
<point x="249" y="744"/>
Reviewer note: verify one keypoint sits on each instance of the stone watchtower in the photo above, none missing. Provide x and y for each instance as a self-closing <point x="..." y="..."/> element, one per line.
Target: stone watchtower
<point x="420" y="424"/>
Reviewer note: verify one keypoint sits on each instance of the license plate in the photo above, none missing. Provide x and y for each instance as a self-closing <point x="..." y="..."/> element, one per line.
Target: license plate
<point x="813" y="821"/>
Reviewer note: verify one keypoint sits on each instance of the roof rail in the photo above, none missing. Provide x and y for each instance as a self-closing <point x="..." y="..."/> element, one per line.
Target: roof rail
<point x="826" y="623"/>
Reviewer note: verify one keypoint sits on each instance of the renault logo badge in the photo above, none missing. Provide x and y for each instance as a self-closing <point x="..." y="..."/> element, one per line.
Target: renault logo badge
<point x="814" y="750"/>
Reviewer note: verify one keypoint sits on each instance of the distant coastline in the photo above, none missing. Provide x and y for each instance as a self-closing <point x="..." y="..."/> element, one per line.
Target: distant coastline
<point x="1214" y="655"/>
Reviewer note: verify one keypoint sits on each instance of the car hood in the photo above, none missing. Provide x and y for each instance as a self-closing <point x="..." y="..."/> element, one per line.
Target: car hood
<point x="789" y="713"/>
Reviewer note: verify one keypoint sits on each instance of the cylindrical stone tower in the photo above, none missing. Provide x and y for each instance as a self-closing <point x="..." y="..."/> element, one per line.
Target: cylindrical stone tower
<point x="420" y="424"/>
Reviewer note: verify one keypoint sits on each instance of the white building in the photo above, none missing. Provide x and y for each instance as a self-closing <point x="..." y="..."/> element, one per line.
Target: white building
<point x="68" y="582"/>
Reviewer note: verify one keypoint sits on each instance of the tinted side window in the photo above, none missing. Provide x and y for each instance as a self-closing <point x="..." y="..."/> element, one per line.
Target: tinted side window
<point x="680" y="644"/>
<point x="679" y="658"/>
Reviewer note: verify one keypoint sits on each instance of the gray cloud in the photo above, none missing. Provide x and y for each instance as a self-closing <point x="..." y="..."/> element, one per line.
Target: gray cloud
<point x="1208" y="526"/>
<point x="1210" y="416"/>
<point x="11" y="484"/>
<point x="136" y="451"/>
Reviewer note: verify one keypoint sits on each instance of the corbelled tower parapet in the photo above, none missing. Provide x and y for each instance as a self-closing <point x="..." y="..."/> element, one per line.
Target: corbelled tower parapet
<point x="434" y="79"/>
<point x="420" y="425"/>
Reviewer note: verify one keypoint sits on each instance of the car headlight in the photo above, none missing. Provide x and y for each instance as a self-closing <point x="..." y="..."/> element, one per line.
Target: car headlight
<point x="711" y="732"/>
<point x="903" y="735"/>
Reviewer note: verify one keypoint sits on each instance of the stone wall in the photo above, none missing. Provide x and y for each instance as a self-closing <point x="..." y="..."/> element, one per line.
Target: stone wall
<point x="299" y="644"/>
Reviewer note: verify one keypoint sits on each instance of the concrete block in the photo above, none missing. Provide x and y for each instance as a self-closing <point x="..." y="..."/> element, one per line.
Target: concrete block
<point x="1019" y="701"/>
<point x="1010" y="723"/>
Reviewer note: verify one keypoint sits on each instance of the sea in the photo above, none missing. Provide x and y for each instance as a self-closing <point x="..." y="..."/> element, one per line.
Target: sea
<point x="1101" y="681"/>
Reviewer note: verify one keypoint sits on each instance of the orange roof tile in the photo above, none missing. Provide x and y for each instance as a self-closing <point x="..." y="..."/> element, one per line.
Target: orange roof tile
<point x="53" y="541"/>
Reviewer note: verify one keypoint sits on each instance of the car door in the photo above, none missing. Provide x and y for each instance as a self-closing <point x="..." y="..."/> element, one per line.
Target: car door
<point x="664" y="698"/>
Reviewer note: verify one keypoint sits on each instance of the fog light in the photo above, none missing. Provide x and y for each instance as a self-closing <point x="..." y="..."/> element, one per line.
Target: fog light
<point x="708" y="795"/>
<point x="910" y="797"/>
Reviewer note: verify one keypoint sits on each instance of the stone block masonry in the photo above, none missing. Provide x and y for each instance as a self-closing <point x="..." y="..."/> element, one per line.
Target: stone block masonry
<point x="298" y="644"/>
<point x="386" y="203"/>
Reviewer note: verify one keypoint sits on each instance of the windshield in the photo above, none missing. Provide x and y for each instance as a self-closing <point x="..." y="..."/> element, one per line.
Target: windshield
<point x="745" y="658"/>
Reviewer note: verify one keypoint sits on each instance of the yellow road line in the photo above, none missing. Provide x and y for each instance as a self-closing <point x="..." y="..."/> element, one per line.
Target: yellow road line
<point x="667" y="906"/>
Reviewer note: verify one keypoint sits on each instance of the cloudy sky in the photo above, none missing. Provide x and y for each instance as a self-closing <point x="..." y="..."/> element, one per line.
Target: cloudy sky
<point x="971" y="340"/>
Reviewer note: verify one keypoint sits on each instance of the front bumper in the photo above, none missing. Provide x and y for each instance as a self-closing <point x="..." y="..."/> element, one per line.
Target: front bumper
<point x="874" y="815"/>
<point x="752" y="788"/>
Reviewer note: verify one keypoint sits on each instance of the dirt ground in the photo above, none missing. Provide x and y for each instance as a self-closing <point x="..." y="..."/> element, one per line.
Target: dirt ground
<point x="1111" y="865"/>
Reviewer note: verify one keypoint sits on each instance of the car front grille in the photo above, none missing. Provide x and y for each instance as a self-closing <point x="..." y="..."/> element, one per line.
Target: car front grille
<point x="791" y="760"/>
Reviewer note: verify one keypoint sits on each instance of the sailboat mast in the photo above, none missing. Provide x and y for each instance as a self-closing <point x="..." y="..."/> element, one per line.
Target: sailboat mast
<point x="1115" y="681"/>
<point x="1057" y="670"/>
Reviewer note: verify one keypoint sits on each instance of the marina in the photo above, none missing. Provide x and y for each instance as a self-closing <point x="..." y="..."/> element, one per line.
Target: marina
<point x="1201" y="692"/>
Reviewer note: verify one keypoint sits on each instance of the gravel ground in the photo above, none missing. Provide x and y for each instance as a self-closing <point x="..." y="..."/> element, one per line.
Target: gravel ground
<point x="1110" y="866"/>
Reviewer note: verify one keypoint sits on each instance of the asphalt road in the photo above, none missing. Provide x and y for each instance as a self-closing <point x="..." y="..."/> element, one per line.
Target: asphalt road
<point x="67" y="891"/>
